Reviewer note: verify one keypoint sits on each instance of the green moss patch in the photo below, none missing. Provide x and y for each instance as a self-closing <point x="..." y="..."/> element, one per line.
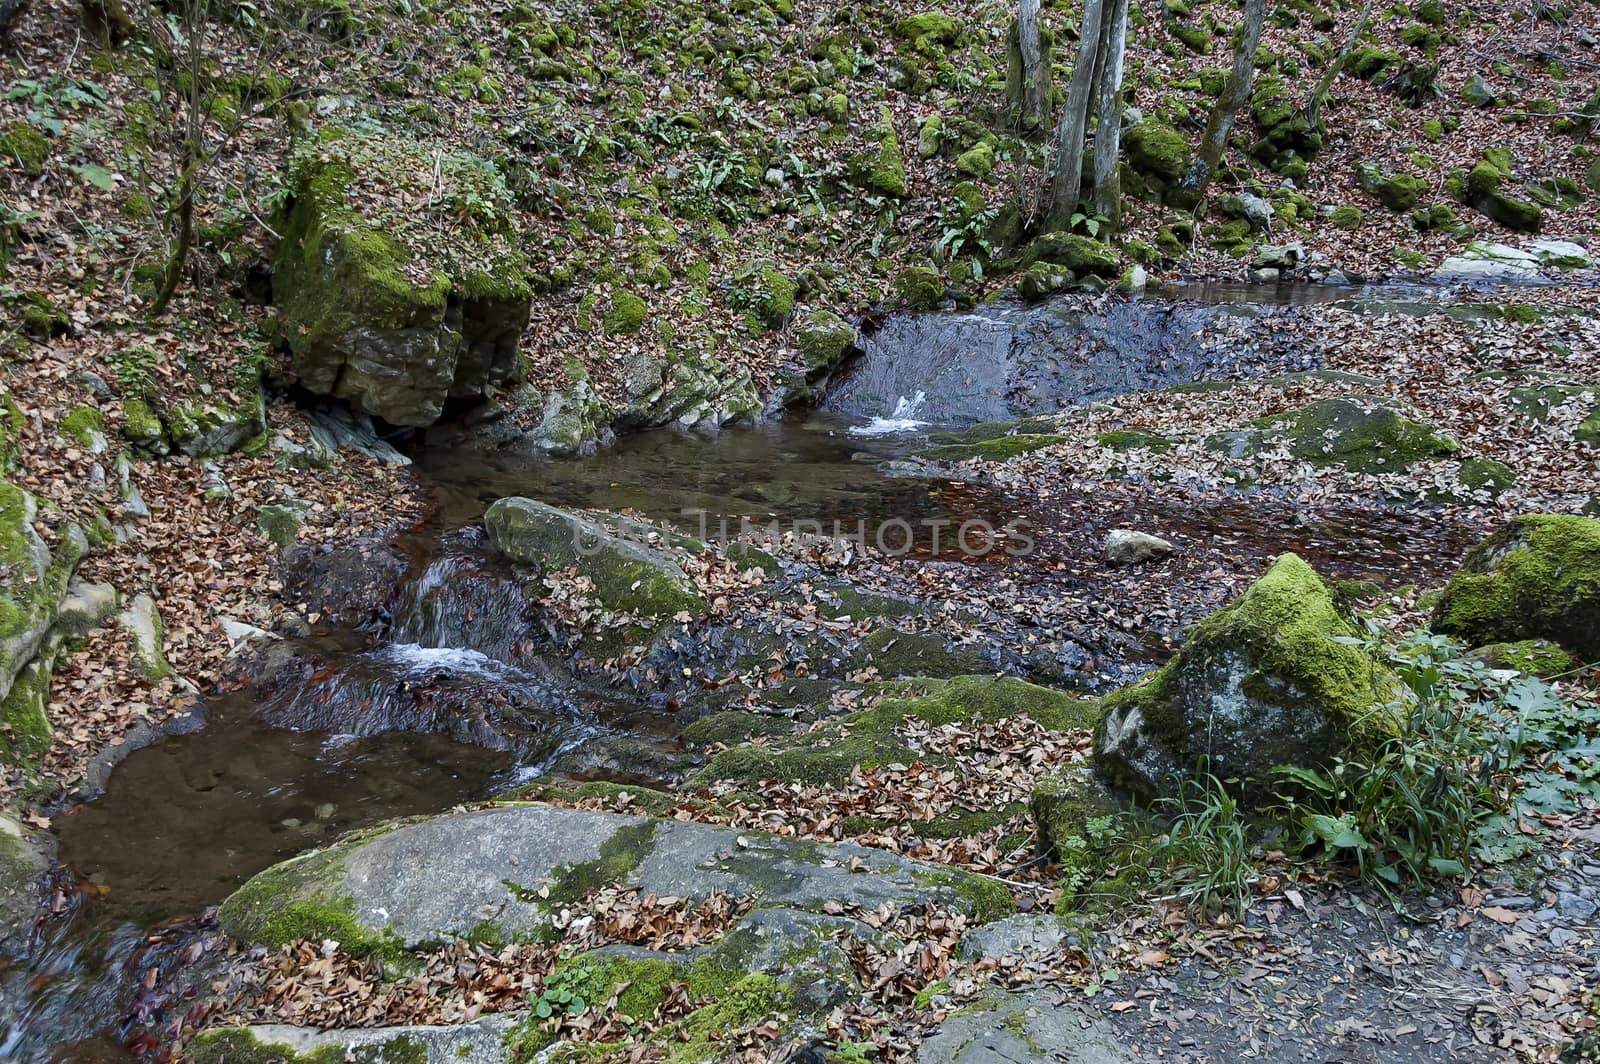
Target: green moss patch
<point x="1538" y="577"/>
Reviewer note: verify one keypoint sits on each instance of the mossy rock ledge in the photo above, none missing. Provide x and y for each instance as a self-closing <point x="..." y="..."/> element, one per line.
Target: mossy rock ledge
<point x="1264" y="682"/>
<point x="412" y="884"/>
<point x="1364" y="434"/>
<point x="1538" y="577"/>
<point x="379" y="308"/>
<point x="629" y="574"/>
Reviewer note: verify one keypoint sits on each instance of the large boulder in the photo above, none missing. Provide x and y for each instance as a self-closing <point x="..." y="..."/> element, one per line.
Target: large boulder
<point x="629" y="571"/>
<point x="507" y="871"/>
<point x="1269" y="680"/>
<point x="381" y="305"/>
<point x="1538" y="577"/>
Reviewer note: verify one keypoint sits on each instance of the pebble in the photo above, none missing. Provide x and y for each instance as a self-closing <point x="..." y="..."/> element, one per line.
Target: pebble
<point x="1563" y="936"/>
<point x="1576" y="905"/>
<point x="1513" y="901"/>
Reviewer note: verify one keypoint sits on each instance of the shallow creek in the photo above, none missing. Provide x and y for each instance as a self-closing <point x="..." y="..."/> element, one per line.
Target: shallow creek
<point x="184" y="821"/>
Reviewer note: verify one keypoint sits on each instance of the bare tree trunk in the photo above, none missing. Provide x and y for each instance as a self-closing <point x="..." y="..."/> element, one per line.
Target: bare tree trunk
<point x="1219" y="127"/>
<point x="197" y="104"/>
<point x="1034" y="77"/>
<point x="1319" y="92"/>
<point x="1108" y="129"/>
<point x="179" y="257"/>
<point x="1074" y="124"/>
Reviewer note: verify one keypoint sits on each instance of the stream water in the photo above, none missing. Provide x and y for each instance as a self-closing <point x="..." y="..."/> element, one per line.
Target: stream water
<point x="184" y="821"/>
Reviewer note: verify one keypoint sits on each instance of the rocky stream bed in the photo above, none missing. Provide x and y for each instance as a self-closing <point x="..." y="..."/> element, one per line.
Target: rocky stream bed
<point x="762" y="797"/>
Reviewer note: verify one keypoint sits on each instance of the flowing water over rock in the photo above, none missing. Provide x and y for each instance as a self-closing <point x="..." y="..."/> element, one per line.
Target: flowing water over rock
<point x="1003" y="362"/>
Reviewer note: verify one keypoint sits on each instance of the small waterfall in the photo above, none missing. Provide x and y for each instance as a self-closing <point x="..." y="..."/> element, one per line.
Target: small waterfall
<point x="466" y="597"/>
<point x="902" y="420"/>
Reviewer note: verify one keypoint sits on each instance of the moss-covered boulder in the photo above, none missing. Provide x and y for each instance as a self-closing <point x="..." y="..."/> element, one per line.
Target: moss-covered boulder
<point x="398" y="273"/>
<point x="1044" y="279"/>
<point x="919" y="288"/>
<point x="881" y="168"/>
<point x="1076" y="253"/>
<point x="628" y="573"/>
<point x="1398" y="192"/>
<point x="1538" y="577"/>
<point x="1159" y="153"/>
<point x="824" y="340"/>
<point x="35" y="583"/>
<point x="932" y="32"/>
<point x="1364" y="434"/>
<point x="977" y="161"/>
<point x="1491" y="189"/>
<point x="1269" y="680"/>
<point x="24" y="148"/>
<point x="1531" y="657"/>
<point x="215" y="427"/>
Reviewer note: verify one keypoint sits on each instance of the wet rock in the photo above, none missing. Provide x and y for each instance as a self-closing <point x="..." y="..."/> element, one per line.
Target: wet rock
<point x="1537" y="577"/>
<point x="628" y="575"/>
<point x="508" y="867"/>
<point x="24" y="857"/>
<point x="1264" y="682"/>
<point x="1127" y="547"/>
<point x="386" y="314"/>
<point x="871" y="738"/>
<point x="1488" y="261"/>
<point x="894" y="653"/>
<point x="1023" y="1026"/>
<point x="335" y="429"/>
<point x="348" y="585"/>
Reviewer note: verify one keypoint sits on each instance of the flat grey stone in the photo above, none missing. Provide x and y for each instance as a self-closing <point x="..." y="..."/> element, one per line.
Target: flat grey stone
<point x="1028" y="1026"/>
<point x="446" y="875"/>
<point x="479" y="1042"/>
<point x="1023" y="935"/>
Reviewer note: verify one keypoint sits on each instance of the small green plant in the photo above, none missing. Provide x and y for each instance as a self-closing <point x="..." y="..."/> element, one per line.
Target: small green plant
<point x="135" y="367"/>
<point x="565" y="993"/>
<point x="1207" y="851"/>
<point x="1087" y="223"/>
<point x="964" y="234"/>
<point x="1476" y="748"/>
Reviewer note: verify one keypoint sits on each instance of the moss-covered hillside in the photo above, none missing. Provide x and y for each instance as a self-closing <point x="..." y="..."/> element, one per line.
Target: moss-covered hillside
<point x="689" y="180"/>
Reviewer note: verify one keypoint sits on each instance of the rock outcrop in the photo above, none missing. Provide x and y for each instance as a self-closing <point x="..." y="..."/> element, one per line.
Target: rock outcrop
<point x="380" y="306"/>
<point x="1264" y="682"/>
<point x="628" y="572"/>
<point x="504" y="871"/>
<point x="1538" y="577"/>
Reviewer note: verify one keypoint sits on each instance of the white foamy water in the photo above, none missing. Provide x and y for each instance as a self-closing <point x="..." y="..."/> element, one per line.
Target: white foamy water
<point x="902" y="420"/>
<point x="414" y="658"/>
